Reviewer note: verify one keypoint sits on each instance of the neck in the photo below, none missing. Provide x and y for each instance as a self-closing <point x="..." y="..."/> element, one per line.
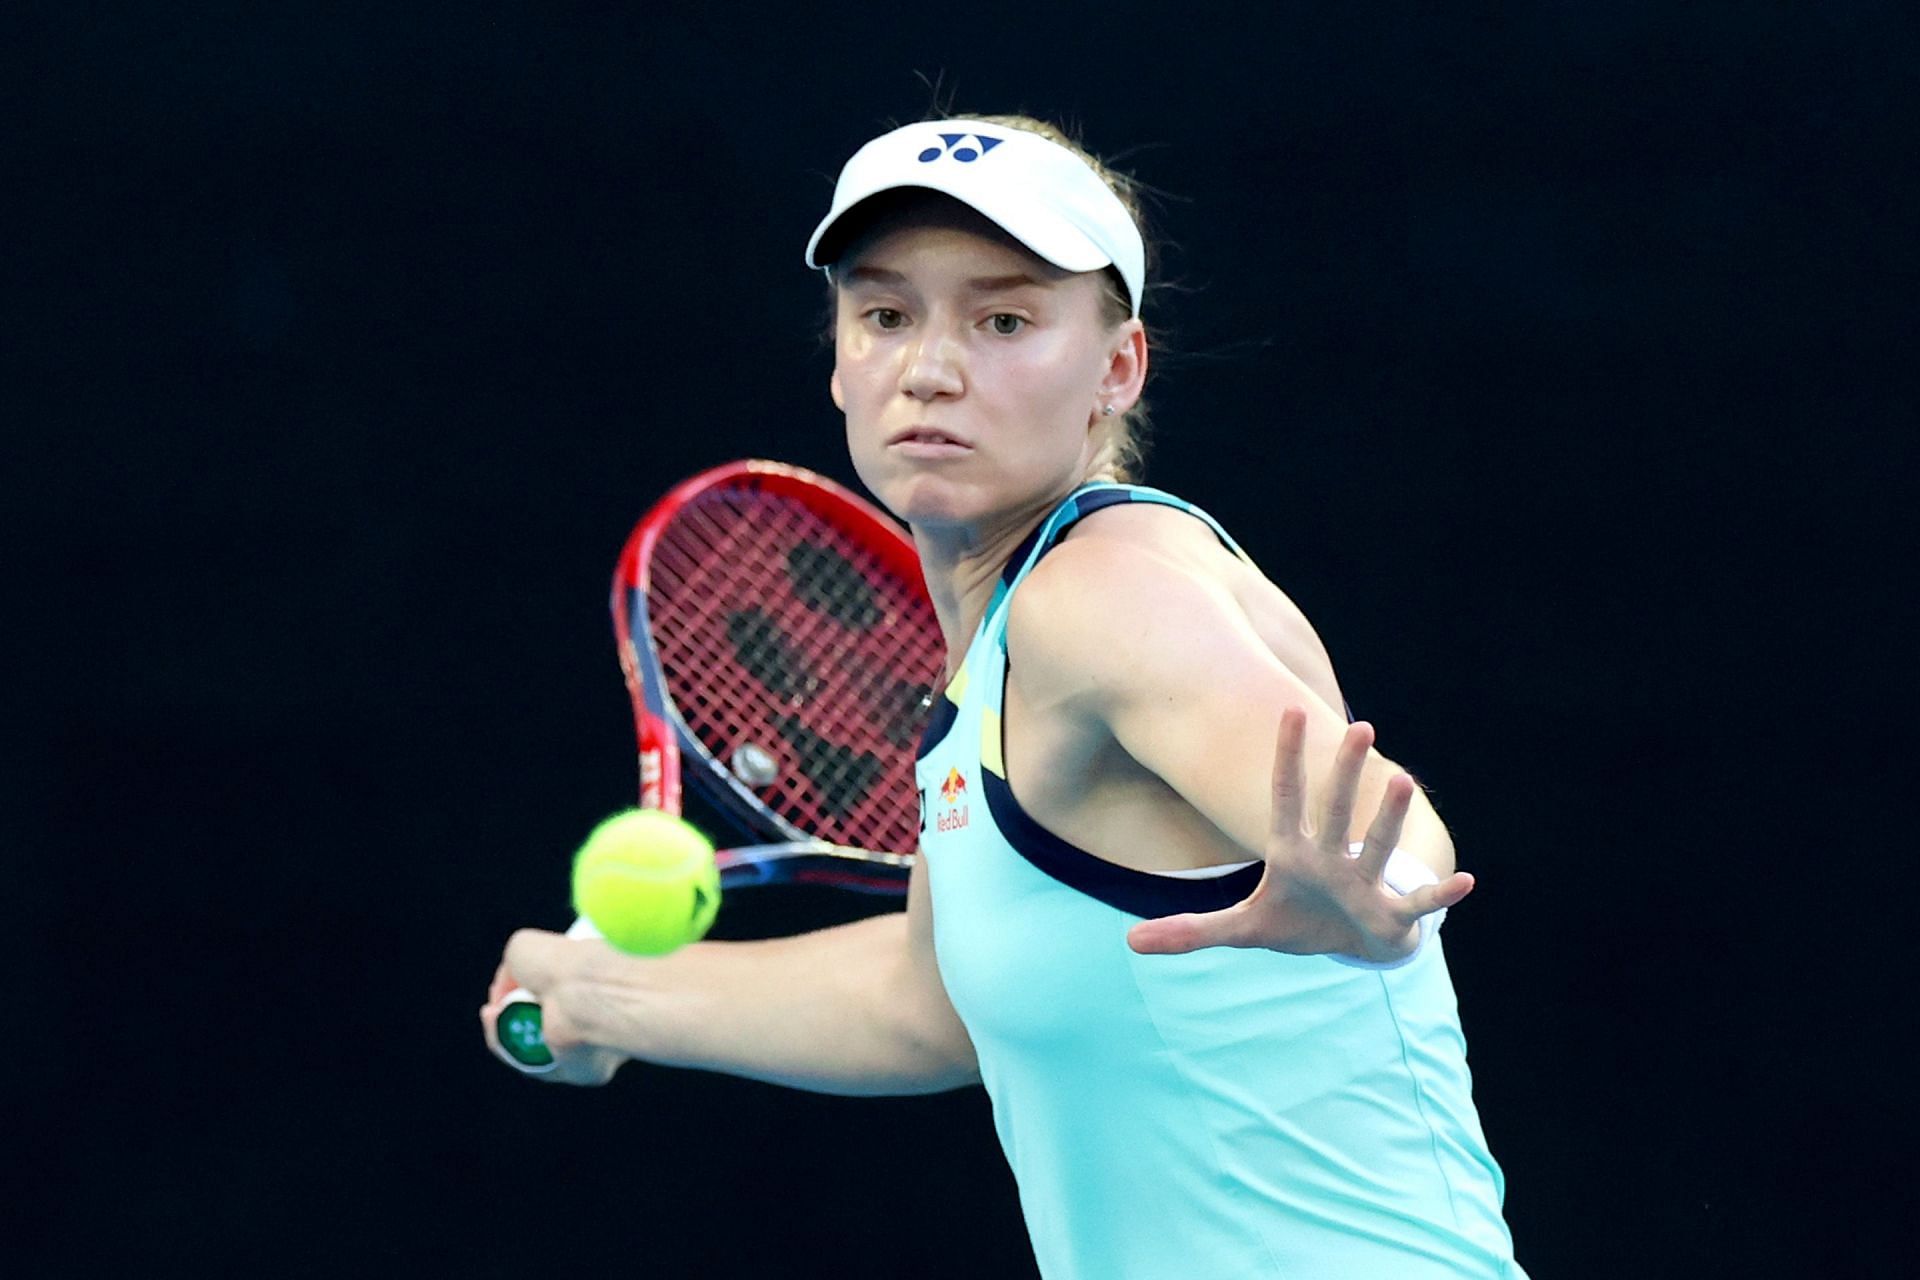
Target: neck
<point x="962" y="565"/>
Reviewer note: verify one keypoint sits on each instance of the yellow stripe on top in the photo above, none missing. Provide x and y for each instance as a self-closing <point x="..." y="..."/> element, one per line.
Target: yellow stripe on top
<point x="990" y="743"/>
<point x="958" y="689"/>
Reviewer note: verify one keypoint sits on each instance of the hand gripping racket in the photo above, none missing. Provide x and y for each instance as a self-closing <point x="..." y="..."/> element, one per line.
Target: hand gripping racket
<point x="778" y="644"/>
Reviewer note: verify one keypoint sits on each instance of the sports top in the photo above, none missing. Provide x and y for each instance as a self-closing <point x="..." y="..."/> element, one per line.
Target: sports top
<point x="1229" y="1113"/>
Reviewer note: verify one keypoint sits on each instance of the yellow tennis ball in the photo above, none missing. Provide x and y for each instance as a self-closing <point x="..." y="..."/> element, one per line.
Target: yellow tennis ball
<point x="647" y="881"/>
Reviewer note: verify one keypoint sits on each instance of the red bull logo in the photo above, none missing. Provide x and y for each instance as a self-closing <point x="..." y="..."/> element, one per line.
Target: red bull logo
<point x="954" y="792"/>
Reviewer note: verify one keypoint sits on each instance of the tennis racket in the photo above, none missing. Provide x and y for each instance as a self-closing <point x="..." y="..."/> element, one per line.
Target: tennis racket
<point x="781" y="653"/>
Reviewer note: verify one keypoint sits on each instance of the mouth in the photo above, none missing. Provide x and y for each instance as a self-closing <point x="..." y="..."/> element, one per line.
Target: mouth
<point x="932" y="436"/>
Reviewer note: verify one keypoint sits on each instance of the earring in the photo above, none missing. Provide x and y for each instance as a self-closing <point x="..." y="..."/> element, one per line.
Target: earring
<point x="1106" y="411"/>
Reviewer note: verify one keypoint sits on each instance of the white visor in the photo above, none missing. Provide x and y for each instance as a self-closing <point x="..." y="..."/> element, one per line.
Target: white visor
<point x="1036" y="191"/>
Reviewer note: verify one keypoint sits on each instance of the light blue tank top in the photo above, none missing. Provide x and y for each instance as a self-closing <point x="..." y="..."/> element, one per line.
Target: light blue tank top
<point x="1216" y="1116"/>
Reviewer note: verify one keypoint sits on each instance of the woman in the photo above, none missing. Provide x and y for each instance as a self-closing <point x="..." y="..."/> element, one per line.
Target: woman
<point x="1193" y="970"/>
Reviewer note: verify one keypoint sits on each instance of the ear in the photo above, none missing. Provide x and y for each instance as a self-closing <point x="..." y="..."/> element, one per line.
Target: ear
<point x="839" y="396"/>
<point x="1126" y="374"/>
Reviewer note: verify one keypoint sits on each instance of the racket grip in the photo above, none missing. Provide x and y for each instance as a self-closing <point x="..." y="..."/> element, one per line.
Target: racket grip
<point x="517" y="1032"/>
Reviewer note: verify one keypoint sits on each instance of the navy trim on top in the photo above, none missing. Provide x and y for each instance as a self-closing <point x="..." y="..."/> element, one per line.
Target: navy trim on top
<point x="1138" y="893"/>
<point x="1011" y="569"/>
<point x="939" y="723"/>
<point x="1083" y="504"/>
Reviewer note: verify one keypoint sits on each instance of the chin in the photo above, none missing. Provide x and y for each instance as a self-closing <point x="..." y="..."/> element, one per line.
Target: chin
<point x="924" y="497"/>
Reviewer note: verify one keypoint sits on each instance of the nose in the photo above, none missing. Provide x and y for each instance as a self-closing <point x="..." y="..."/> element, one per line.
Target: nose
<point x="932" y="367"/>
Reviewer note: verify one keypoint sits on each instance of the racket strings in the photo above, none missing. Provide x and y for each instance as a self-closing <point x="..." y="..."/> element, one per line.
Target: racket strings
<point x="842" y="780"/>
<point x="778" y="630"/>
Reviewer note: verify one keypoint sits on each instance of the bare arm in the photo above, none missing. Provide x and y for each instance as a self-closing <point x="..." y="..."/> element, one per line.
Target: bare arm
<point x="1162" y="656"/>
<point x="857" y="1009"/>
<point x="1149" y="646"/>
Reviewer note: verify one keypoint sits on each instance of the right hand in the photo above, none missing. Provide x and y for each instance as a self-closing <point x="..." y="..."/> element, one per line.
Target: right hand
<point x="1317" y="897"/>
<point x="564" y="973"/>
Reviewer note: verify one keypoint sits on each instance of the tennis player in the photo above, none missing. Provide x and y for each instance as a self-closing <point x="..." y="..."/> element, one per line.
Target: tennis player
<point x="1172" y="910"/>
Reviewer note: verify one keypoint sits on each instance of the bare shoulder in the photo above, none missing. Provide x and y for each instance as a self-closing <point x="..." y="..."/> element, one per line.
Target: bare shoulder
<point x="1143" y="582"/>
<point x="1110" y="584"/>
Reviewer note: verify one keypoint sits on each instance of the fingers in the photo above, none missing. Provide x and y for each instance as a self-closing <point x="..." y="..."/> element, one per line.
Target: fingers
<point x="1290" y="773"/>
<point x="502" y="983"/>
<point x="1454" y="888"/>
<point x="1384" y="835"/>
<point x="1177" y="935"/>
<point x="1344" y="784"/>
<point x="523" y="965"/>
<point x="1434" y="897"/>
<point x="551" y="966"/>
<point x="558" y="1027"/>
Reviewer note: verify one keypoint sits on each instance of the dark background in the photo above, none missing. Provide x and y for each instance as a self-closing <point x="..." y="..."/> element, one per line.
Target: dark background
<point x="1543" y="353"/>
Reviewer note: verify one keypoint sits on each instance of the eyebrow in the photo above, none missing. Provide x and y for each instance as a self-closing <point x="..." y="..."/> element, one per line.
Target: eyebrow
<point x="978" y="284"/>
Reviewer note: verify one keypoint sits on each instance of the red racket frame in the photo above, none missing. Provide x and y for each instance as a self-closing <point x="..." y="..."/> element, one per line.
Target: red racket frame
<point x="658" y="732"/>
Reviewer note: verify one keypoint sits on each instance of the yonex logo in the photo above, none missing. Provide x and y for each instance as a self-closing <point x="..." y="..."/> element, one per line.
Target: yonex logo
<point x="964" y="147"/>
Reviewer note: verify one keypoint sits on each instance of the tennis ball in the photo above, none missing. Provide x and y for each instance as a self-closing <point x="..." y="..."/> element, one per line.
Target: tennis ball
<point x="647" y="881"/>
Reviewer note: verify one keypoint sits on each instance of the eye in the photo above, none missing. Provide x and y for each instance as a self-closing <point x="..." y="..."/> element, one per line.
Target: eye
<point x="886" y="318"/>
<point x="1006" y="324"/>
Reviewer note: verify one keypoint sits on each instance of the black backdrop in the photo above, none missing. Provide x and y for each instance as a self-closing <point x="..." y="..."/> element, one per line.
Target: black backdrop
<point x="1539" y="351"/>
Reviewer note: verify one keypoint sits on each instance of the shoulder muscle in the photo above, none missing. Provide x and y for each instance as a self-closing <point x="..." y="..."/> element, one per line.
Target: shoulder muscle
<point x="1148" y="593"/>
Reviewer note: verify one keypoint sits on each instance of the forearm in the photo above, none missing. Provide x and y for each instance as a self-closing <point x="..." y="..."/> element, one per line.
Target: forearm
<point x="838" y="1011"/>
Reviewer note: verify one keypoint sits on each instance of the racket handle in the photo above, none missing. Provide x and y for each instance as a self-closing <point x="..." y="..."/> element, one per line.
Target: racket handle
<point x="517" y="1033"/>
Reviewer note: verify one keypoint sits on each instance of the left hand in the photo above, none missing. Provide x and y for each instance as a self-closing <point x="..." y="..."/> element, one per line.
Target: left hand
<point x="570" y="975"/>
<point x="1315" y="897"/>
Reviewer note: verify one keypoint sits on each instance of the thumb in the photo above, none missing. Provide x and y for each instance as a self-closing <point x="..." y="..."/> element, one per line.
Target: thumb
<point x="1178" y="935"/>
